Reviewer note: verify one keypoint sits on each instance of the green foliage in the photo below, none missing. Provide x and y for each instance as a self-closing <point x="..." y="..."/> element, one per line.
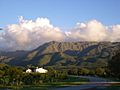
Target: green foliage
<point x="114" y="66"/>
<point x="87" y="71"/>
<point x="100" y="71"/>
<point x="44" y="60"/>
<point x="15" y="76"/>
<point x="75" y="79"/>
<point x="83" y="71"/>
<point x="1" y="73"/>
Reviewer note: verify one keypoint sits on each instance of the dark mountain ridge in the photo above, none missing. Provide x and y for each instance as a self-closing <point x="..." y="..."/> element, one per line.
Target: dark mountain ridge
<point x="64" y="54"/>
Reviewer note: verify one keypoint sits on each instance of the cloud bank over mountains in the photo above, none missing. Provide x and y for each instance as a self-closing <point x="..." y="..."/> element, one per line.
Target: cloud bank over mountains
<point x="29" y="34"/>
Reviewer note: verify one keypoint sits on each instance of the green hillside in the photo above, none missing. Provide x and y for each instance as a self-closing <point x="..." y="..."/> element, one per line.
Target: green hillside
<point x="82" y="54"/>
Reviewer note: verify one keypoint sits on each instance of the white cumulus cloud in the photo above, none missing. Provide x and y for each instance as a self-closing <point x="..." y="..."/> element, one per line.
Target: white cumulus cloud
<point x="94" y="31"/>
<point x="29" y="34"/>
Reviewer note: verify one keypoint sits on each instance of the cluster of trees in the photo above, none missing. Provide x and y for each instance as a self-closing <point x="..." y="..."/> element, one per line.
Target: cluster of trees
<point x="85" y="71"/>
<point x="10" y="75"/>
<point x="114" y="66"/>
<point x="16" y="76"/>
<point x="112" y="70"/>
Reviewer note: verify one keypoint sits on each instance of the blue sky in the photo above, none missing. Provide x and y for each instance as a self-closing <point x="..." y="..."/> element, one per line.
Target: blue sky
<point x="62" y="13"/>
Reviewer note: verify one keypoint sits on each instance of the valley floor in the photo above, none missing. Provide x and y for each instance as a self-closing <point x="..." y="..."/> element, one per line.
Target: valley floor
<point x="96" y="83"/>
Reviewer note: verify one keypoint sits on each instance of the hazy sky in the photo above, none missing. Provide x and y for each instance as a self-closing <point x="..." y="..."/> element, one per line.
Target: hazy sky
<point x="62" y="13"/>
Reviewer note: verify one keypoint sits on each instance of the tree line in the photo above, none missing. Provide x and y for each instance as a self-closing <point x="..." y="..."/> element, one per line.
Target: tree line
<point x="13" y="75"/>
<point x="16" y="76"/>
<point x="114" y="66"/>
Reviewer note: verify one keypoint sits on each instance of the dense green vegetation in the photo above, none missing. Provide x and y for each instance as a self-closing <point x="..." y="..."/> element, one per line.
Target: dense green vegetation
<point x="114" y="66"/>
<point x="16" y="76"/>
<point x="86" y="71"/>
<point x="13" y="77"/>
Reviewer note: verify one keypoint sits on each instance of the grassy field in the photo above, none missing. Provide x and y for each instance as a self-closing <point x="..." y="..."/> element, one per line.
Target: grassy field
<point x="48" y="86"/>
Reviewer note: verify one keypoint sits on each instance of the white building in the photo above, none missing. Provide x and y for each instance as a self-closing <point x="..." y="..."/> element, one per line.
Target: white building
<point x="41" y="70"/>
<point x="28" y="70"/>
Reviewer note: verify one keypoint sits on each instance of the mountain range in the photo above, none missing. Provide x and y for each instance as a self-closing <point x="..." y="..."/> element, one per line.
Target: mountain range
<point x="83" y="54"/>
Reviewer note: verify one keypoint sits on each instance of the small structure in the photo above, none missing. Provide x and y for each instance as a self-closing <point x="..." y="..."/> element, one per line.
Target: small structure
<point x="41" y="70"/>
<point x="28" y="70"/>
<point x="38" y="70"/>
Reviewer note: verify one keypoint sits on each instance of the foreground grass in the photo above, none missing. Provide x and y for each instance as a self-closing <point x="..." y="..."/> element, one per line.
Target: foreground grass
<point x="25" y="88"/>
<point x="75" y="79"/>
<point x="48" y="86"/>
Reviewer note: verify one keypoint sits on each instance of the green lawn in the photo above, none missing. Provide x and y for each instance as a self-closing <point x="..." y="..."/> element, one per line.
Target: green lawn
<point x="48" y="86"/>
<point x="75" y="79"/>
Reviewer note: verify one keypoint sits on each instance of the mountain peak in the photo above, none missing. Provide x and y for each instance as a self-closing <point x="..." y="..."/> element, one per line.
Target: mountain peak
<point x="64" y="53"/>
